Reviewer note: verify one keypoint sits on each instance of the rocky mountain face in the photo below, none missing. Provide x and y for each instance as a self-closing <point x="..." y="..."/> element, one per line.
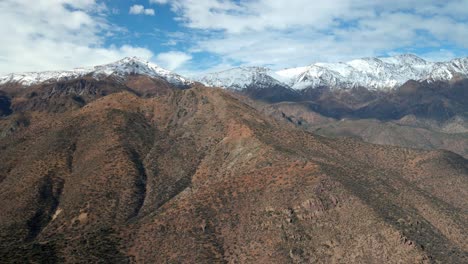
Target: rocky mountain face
<point x="5" y="104"/>
<point x="105" y="170"/>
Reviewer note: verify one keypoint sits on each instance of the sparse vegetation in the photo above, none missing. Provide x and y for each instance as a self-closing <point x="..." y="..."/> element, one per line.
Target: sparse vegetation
<point x="198" y="175"/>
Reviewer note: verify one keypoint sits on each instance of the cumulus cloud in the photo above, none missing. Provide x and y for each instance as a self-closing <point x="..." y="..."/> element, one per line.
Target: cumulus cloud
<point x="173" y="60"/>
<point x="285" y="33"/>
<point x="141" y="10"/>
<point x="57" y="34"/>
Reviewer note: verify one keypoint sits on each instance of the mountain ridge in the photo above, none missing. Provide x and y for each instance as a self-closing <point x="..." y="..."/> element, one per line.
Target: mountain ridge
<point x="120" y="69"/>
<point x="374" y="73"/>
<point x="242" y="77"/>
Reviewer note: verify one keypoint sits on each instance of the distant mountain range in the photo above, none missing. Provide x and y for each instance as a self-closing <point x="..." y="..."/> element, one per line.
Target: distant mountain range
<point x="382" y="88"/>
<point x="371" y="73"/>
<point x="380" y="74"/>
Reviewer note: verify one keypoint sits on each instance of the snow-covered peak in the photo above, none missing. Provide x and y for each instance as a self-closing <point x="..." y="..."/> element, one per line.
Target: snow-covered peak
<point x="242" y="78"/>
<point x="373" y="73"/>
<point x="317" y="75"/>
<point x="119" y="69"/>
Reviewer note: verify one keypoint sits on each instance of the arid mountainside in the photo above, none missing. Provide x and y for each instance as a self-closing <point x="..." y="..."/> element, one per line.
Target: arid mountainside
<point x="410" y="131"/>
<point x="417" y="115"/>
<point x="141" y="171"/>
<point x="395" y="134"/>
<point x="439" y="101"/>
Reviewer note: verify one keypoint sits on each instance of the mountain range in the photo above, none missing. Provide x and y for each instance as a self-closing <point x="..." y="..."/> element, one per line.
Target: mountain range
<point x="131" y="163"/>
<point x="372" y="73"/>
<point x="387" y="90"/>
<point x="385" y="73"/>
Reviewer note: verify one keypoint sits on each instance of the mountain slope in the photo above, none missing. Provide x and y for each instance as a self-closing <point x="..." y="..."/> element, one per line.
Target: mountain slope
<point x="196" y="175"/>
<point x="408" y="118"/>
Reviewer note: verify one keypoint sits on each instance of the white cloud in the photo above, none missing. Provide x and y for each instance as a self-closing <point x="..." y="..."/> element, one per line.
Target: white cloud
<point x="172" y="60"/>
<point x="141" y="10"/>
<point x="60" y="34"/>
<point x="235" y="17"/>
<point x="439" y="55"/>
<point x="285" y="33"/>
<point x="158" y="1"/>
<point x="57" y="34"/>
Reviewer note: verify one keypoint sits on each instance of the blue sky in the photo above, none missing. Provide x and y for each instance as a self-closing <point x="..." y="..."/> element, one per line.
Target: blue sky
<point x="197" y="36"/>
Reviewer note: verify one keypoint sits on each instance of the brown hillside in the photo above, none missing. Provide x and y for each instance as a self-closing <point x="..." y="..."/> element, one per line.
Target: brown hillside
<point x="197" y="176"/>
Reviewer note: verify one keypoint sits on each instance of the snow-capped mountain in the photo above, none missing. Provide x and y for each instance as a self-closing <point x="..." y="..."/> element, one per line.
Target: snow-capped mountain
<point x="373" y="73"/>
<point x="118" y="69"/>
<point x="242" y="78"/>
